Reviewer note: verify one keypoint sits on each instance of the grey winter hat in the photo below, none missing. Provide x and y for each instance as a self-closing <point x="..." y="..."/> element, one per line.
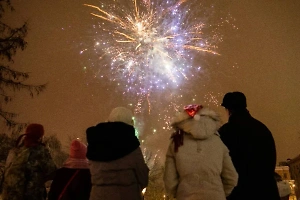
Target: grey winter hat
<point x="234" y="101"/>
<point x="121" y="114"/>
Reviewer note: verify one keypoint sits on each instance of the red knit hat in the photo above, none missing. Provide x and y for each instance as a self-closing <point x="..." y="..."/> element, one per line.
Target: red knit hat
<point x="77" y="149"/>
<point x="33" y="134"/>
<point x="34" y="131"/>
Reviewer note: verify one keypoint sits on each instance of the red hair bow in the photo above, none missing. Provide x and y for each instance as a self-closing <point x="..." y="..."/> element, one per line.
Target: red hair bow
<point x="192" y="109"/>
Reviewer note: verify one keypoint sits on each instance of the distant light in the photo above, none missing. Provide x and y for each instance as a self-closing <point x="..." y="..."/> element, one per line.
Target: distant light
<point x="144" y="190"/>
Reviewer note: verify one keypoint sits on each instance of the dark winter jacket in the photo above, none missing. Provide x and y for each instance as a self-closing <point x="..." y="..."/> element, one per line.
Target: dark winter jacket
<point x="117" y="165"/>
<point x="78" y="189"/>
<point x="252" y="149"/>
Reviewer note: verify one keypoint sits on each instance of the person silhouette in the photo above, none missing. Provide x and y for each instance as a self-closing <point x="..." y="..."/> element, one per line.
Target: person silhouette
<point x="252" y="149"/>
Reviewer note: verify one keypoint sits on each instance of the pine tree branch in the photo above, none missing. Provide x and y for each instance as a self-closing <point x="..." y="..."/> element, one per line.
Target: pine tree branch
<point x="11" y="40"/>
<point x="8" y="83"/>
<point x="5" y="71"/>
<point x="10" y="123"/>
<point x="8" y="118"/>
<point x="3" y="4"/>
<point x="6" y="98"/>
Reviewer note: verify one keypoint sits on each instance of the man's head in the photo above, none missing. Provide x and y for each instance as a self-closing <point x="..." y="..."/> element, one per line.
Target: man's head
<point x="234" y="101"/>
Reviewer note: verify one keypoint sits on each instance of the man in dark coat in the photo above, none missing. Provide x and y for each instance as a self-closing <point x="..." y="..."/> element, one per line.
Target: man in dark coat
<point x="252" y="149"/>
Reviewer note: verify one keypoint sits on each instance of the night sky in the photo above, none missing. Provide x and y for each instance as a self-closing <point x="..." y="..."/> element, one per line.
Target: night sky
<point x="259" y="55"/>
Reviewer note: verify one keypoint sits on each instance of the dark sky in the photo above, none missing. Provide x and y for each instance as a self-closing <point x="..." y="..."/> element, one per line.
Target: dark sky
<point x="260" y="58"/>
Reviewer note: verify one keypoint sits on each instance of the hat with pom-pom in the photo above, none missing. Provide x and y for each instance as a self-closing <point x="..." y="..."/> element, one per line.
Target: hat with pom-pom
<point x="77" y="156"/>
<point x="78" y="149"/>
<point x="121" y="114"/>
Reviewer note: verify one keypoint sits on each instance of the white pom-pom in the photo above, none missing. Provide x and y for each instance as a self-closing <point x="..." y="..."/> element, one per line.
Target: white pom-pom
<point x="197" y="117"/>
<point x="179" y="117"/>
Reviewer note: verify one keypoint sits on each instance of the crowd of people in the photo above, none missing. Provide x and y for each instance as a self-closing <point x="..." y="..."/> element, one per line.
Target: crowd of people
<point x="205" y="160"/>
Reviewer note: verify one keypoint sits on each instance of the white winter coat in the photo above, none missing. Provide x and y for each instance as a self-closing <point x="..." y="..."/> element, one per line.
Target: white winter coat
<point x="119" y="179"/>
<point x="202" y="168"/>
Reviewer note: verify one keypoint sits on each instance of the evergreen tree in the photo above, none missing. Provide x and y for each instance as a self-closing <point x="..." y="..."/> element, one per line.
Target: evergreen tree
<point x="11" y="80"/>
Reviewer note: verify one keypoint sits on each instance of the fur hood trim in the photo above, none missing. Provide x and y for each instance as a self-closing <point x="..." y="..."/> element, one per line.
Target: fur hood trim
<point x="204" y="124"/>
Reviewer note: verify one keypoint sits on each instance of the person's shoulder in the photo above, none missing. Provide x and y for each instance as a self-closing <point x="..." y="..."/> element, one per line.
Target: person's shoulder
<point x="100" y="127"/>
<point x="14" y="151"/>
<point x="136" y="152"/>
<point x="41" y="149"/>
<point x="225" y="128"/>
<point x="39" y="153"/>
<point x="257" y="123"/>
<point x="228" y="131"/>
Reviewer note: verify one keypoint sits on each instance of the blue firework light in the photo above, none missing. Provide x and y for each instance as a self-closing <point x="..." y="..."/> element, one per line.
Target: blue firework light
<point x="149" y="45"/>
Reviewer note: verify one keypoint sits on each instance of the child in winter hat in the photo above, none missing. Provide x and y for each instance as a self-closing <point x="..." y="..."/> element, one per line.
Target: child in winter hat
<point x="121" y="114"/>
<point x="77" y="149"/>
<point x="73" y="179"/>
<point x="77" y="156"/>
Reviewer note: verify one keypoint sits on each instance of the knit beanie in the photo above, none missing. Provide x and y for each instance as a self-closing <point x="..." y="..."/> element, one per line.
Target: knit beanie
<point x="234" y="101"/>
<point x="77" y="150"/>
<point x="121" y="114"/>
<point x="33" y="134"/>
<point x="34" y="131"/>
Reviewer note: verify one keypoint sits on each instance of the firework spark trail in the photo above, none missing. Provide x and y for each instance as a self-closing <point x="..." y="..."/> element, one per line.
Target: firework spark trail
<point x="152" y="45"/>
<point x="153" y="50"/>
<point x="150" y="48"/>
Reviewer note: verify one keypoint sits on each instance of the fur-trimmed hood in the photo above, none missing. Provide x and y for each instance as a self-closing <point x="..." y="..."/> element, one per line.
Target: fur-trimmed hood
<point x="203" y="125"/>
<point x="110" y="141"/>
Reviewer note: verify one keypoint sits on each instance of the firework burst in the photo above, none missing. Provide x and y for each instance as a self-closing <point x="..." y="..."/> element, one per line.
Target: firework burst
<point x="150" y="45"/>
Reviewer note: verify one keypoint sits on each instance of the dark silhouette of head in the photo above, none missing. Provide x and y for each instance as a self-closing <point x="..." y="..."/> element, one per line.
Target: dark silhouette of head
<point x="234" y="101"/>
